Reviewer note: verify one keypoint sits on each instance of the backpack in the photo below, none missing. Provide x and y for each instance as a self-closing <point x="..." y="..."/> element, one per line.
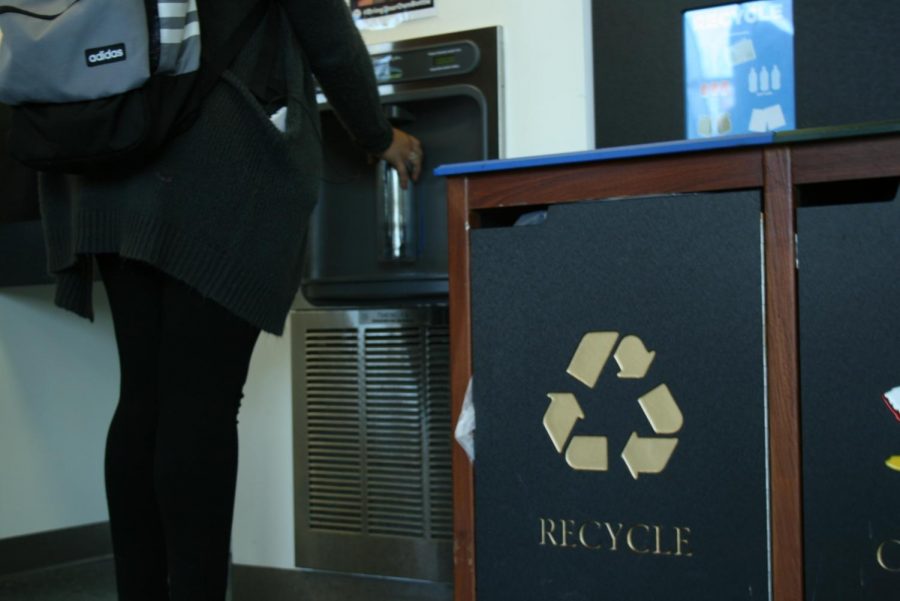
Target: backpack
<point x="99" y="85"/>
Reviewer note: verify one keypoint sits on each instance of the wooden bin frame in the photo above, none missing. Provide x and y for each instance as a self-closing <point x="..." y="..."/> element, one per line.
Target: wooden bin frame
<point x="777" y="170"/>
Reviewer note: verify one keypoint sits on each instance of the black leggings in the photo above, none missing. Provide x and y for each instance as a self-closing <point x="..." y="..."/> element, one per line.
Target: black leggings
<point x="171" y="454"/>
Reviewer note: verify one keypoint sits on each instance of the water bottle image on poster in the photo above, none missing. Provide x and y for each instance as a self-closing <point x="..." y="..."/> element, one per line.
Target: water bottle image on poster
<point x="739" y="69"/>
<point x="384" y="14"/>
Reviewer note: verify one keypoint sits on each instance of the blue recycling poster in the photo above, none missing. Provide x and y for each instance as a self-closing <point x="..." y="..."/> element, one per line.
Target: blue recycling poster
<point x="739" y="69"/>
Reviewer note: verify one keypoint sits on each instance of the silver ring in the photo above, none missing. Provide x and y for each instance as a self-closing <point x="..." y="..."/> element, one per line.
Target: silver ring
<point x="413" y="156"/>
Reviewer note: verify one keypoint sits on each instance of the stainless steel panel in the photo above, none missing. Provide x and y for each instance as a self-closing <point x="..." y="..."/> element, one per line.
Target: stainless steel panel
<point x="372" y="441"/>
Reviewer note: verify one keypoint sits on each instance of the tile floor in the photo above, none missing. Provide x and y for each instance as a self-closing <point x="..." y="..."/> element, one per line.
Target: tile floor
<point x="84" y="581"/>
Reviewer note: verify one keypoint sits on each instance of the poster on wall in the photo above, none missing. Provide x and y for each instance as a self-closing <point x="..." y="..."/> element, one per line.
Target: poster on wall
<point x="739" y="69"/>
<point x="384" y="14"/>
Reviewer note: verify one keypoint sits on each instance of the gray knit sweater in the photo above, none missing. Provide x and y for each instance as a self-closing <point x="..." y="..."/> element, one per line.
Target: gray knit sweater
<point x="225" y="208"/>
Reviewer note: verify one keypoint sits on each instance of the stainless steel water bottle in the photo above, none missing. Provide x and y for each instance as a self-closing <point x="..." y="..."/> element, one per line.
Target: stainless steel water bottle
<point x="397" y="221"/>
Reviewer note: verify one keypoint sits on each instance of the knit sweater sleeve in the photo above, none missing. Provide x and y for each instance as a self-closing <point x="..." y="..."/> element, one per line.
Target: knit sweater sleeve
<point x="341" y="63"/>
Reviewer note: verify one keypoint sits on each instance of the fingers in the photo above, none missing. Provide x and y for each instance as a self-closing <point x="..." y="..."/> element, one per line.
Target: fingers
<point x="411" y="150"/>
<point x="403" y="172"/>
<point x="416" y="158"/>
<point x="405" y="155"/>
<point x="414" y="165"/>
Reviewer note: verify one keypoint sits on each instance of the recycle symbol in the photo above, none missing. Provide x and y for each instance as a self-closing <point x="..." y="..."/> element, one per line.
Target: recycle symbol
<point x="642" y="455"/>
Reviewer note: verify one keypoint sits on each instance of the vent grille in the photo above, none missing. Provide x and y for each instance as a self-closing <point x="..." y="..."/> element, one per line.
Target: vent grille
<point x="333" y="430"/>
<point x="377" y="405"/>
<point x="394" y="360"/>
<point x="439" y="429"/>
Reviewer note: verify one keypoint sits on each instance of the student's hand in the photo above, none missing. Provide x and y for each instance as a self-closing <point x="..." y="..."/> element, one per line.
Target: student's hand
<point x="405" y="155"/>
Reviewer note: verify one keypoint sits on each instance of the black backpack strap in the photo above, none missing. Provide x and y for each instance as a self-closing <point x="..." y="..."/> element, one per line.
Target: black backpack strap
<point x="212" y="68"/>
<point x="268" y="83"/>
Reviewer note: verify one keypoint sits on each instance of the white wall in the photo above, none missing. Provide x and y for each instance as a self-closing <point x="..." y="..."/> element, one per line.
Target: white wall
<point x="59" y="381"/>
<point x="264" y="508"/>
<point x="547" y="60"/>
<point x="549" y="109"/>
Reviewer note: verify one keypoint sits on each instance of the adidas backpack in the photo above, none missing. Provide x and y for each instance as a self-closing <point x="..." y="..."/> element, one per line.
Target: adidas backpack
<point x="103" y="84"/>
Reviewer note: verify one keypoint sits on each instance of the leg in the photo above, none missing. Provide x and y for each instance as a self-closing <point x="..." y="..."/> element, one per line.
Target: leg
<point x="203" y="360"/>
<point x="135" y="296"/>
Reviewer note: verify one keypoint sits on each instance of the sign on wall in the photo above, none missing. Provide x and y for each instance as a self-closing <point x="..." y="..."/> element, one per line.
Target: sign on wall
<point x="384" y="14"/>
<point x="739" y="69"/>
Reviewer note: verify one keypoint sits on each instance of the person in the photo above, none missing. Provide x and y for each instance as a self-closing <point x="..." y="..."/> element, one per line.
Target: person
<point x="200" y="250"/>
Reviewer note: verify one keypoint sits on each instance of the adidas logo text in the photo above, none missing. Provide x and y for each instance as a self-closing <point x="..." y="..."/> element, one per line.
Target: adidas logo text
<point x="105" y="55"/>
